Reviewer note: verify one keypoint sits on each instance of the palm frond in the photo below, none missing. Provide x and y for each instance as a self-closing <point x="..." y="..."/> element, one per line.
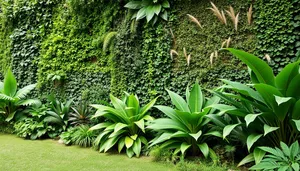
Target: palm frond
<point x="24" y="91"/>
<point x="10" y="84"/>
<point x="194" y="20"/>
<point x="29" y="102"/>
<point x="6" y="98"/>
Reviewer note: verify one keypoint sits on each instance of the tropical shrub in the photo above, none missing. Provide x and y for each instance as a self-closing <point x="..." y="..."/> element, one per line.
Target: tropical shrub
<point x="149" y="9"/>
<point x="286" y="158"/>
<point x="186" y="127"/>
<point x="83" y="136"/>
<point x="124" y="125"/>
<point x="32" y="124"/>
<point x="12" y="99"/>
<point x="58" y="113"/>
<point x="265" y="112"/>
<point x="80" y="115"/>
<point x="67" y="136"/>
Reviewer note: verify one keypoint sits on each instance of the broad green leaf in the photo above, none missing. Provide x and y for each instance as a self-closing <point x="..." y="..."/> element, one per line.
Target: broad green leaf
<point x="163" y="137"/>
<point x="184" y="146"/>
<point x="227" y="130"/>
<point x="294" y="150"/>
<point x="268" y="129"/>
<point x="119" y="126"/>
<point x="100" y="126"/>
<point x="157" y="9"/>
<point x="296" y="110"/>
<point x="164" y="15"/>
<point x="141" y="124"/>
<point x="196" y="99"/>
<point x="215" y="133"/>
<point x="141" y="13"/>
<point x="196" y="135"/>
<point x="10" y="84"/>
<point x="247" y="159"/>
<point x="281" y="100"/>
<point x="134" y="137"/>
<point x="264" y="165"/>
<point x="10" y="116"/>
<point x="262" y="70"/>
<point x="164" y="123"/>
<point x="128" y="142"/>
<point x="150" y="12"/>
<point x="285" y="76"/>
<point x="179" y="102"/>
<point x="137" y="146"/>
<point x="1" y="86"/>
<point x="258" y="155"/>
<point x="129" y="152"/>
<point x="110" y="143"/>
<point x="250" y="118"/>
<point x="204" y="149"/>
<point x="285" y="149"/>
<point x="133" y="5"/>
<point x="166" y="4"/>
<point x="133" y="102"/>
<point x="252" y="139"/>
<point x="121" y="144"/>
<point x="292" y="90"/>
<point x="295" y="166"/>
<point x="118" y="104"/>
<point x="297" y="123"/>
<point x="147" y="107"/>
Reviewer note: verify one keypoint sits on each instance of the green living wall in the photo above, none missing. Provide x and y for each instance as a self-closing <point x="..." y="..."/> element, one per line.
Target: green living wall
<point x="59" y="45"/>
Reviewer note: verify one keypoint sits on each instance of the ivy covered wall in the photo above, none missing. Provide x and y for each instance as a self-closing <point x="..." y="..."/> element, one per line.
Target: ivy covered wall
<point x="59" y="45"/>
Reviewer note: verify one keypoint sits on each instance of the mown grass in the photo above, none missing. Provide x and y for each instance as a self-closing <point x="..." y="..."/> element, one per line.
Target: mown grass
<point x="18" y="154"/>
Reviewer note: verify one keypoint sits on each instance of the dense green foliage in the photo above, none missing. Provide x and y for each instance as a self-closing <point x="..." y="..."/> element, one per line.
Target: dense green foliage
<point x="124" y="125"/>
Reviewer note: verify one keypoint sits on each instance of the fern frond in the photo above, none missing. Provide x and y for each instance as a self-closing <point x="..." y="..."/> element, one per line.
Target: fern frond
<point x="195" y="20"/>
<point x="109" y="39"/>
<point x="24" y="91"/>
<point x="28" y="102"/>
<point x="6" y="97"/>
<point x="249" y="14"/>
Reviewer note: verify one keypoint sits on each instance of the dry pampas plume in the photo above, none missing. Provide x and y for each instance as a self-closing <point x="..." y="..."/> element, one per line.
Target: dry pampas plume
<point x="173" y="37"/>
<point x="212" y="56"/>
<point x="194" y="20"/>
<point x="227" y="42"/>
<point x="173" y="52"/>
<point x="234" y="18"/>
<point x="267" y="56"/>
<point x="249" y="14"/>
<point x="188" y="57"/>
<point x="217" y="13"/>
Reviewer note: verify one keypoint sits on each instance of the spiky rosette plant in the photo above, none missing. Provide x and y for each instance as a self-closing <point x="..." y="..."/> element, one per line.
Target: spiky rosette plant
<point x="12" y="99"/>
<point x="186" y="128"/>
<point x="124" y="125"/>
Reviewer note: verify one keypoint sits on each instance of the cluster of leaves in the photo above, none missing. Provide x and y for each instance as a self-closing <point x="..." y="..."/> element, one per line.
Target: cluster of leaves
<point x="149" y="9"/>
<point x="80" y="135"/>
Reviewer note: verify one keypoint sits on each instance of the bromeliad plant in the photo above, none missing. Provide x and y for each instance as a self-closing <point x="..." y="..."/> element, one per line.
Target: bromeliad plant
<point x="286" y="158"/>
<point x="265" y="112"/>
<point x="124" y="126"/>
<point x="149" y="9"/>
<point x="12" y="100"/>
<point x="186" y="128"/>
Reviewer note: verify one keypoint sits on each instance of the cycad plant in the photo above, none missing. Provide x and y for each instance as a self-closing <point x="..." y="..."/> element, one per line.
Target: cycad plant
<point x="265" y="112"/>
<point x="12" y="99"/>
<point x="186" y="128"/>
<point x="124" y="125"/>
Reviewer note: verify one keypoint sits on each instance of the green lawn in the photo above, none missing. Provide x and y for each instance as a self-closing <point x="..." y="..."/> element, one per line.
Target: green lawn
<point x="19" y="154"/>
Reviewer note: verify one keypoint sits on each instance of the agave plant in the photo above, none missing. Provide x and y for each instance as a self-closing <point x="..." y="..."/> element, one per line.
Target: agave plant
<point x="286" y="158"/>
<point x="124" y="126"/>
<point x="81" y="115"/>
<point x="265" y="112"/>
<point x="12" y="99"/>
<point x="186" y="127"/>
<point x="58" y="114"/>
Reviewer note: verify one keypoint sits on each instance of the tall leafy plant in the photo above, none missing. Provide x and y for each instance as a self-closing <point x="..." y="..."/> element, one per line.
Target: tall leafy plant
<point x="265" y="112"/>
<point x="149" y="9"/>
<point x="124" y="125"/>
<point x="12" y="99"/>
<point x="186" y="128"/>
